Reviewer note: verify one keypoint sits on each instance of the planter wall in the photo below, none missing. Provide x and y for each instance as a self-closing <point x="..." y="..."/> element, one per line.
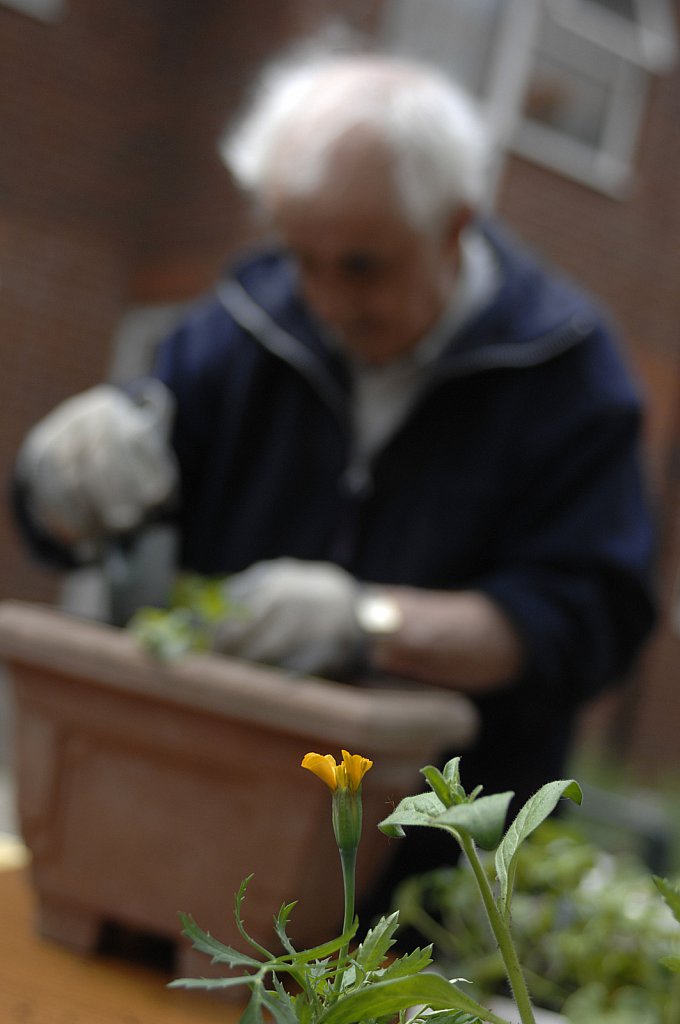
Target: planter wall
<point x="144" y="789"/>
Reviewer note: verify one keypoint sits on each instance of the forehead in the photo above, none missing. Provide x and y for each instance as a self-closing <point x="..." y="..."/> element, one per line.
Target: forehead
<point x="338" y="224"/>
<point x="346" y="212"/>
<point x="354" y="190"/>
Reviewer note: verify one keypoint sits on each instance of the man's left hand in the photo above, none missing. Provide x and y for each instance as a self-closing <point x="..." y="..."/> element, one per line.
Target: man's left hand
<point x="293" y="614"/>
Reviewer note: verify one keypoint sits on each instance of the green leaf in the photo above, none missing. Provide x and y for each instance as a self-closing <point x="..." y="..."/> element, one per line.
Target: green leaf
<point x="449" y="1017"/>
<point x="326" y="948"/>
<point x="280" y="1004"/>
<point x="166" y="635"/>
<point x="253" y="1011"/>
<point x="452" y="771"/>
<point x="531" y="815"/>
<point x="672" y="963"/>
<point x="239" y="897"/>
<point x="412" y="963"/>
<point x="437" y="784"/>
<point x="412" y="810"/>
<point x="452" y="778"/>
<point x="386" y="998"/>
<point x="371" y="953"/>
<point x="670" y="893"/>
<point x="205" y="943"/>
<point x="211" y="982"/>
<point x="281" y="923"/>
<point x="484" y="820"/>
<point x="207" y="597"/>
<point x="197" y="604"/>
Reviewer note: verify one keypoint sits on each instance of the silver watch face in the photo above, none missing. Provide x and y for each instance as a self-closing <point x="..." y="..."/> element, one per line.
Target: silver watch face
<point x="378" y="614"/>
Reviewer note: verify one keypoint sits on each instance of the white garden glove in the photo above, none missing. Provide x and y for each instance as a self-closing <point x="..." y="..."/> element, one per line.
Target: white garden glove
<point x="296" y="615"/>
<point x="99" y="463"/>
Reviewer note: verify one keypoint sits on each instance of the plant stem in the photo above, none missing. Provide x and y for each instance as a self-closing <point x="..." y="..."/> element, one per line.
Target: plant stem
<point x="672" y="1008"/>
<point x="348" y="859"/>
<point x="501" y="933"/>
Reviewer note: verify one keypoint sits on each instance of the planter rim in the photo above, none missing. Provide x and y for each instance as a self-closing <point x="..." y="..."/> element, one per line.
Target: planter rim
<point x="95" y="653"/>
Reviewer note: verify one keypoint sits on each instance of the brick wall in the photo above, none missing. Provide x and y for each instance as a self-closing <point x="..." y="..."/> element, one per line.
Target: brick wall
<point x="72" y="178"/>
<point x="627" y="253"/>
<point x="111" y="192"/>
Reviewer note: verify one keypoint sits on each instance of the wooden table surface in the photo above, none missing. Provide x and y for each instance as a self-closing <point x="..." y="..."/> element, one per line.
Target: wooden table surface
<point x="41" y="982"/>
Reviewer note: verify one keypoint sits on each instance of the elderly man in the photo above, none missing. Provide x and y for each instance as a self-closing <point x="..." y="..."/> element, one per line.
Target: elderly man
<point x="412" y="447"/>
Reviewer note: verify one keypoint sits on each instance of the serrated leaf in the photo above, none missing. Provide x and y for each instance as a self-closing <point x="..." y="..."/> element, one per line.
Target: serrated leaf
<point x="409" y="964"/>
<point x="670" y="893"/>
<point x="386" y="998"/>
<point x="371" y="953"/>
<point x="239" y="897"/>
<point x="484" y="819"/>
<point x="412" y="810"/>
<point x="210" y="982"/>
<point x="253" y="1011"/>
<point x="281" y="923"/>
<point x="532" y="814"/>
<point x="280" y="1004"/>
<point x="449" y="1017"/>
<point x="204" y="942"/>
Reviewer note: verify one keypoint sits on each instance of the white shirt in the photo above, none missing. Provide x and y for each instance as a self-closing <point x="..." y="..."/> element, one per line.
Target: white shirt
<point x="382" y="396"/>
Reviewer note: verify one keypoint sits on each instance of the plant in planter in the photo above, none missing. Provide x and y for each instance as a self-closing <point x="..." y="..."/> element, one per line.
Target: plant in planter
<point x="590" y="930"/>
<point x="334" y="985"/>
<point x="330" y="985"/>
<point x="196" y="606"/>
<point x="477" y="822"/>
<point x="593" y="938"/>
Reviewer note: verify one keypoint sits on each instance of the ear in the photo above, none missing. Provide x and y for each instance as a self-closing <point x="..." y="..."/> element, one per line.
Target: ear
<point x="457" y="222"/>
<point x="454" y="226"/>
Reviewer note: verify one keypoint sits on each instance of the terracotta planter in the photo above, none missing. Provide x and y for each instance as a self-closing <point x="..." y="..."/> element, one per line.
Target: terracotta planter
<point x="145" y="789"/>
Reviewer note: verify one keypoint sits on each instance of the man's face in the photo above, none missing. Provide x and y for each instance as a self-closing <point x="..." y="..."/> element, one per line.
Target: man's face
<point x="368" y="275"/>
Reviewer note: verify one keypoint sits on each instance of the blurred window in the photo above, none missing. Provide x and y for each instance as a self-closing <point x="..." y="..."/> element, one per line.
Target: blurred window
<point x="563" y="82"/>
<point x="44" y="10"/>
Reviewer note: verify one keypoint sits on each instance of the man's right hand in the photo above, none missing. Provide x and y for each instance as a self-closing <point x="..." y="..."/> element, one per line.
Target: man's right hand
<point x="99" y="463"/>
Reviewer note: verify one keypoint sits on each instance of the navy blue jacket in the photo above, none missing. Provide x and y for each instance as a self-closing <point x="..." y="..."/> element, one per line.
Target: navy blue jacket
<point x="517" y="473"/>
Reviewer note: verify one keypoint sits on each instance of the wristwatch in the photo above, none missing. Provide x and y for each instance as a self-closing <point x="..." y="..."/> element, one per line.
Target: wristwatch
<point x="378" y="614"/>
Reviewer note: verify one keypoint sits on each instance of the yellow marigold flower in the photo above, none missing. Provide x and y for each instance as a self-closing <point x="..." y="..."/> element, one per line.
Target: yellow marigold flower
<point x="324" y="766"/>
<point x="346" y="775"/>
<point x="353" y="769"/>
<point x="344" y="781"/>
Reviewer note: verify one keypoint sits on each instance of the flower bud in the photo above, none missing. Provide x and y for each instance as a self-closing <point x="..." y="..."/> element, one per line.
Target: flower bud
<point x="344" y="781"/>
<point x="347" y="817"/>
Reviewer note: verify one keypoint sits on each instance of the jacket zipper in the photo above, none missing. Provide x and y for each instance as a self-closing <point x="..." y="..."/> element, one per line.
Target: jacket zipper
<point x="357" y="478"/>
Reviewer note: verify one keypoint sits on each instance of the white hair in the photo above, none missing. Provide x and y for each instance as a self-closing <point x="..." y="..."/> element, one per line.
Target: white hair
<point x="302" y="109"/>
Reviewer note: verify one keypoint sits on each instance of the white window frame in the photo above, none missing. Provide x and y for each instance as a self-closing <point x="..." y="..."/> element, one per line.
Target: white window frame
<point x="419" y="28"/>
<point x="631" y="50"/>
<point x="650" y="41"/>
<point x="43" y="10"/>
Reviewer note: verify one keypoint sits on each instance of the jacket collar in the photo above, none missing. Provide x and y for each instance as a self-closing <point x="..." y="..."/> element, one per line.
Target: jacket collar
<point x="528" y="317"/>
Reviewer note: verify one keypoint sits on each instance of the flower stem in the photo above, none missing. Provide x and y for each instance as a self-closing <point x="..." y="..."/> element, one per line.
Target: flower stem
<point x="348" y="859"/>
<point x="501" y="933"/>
